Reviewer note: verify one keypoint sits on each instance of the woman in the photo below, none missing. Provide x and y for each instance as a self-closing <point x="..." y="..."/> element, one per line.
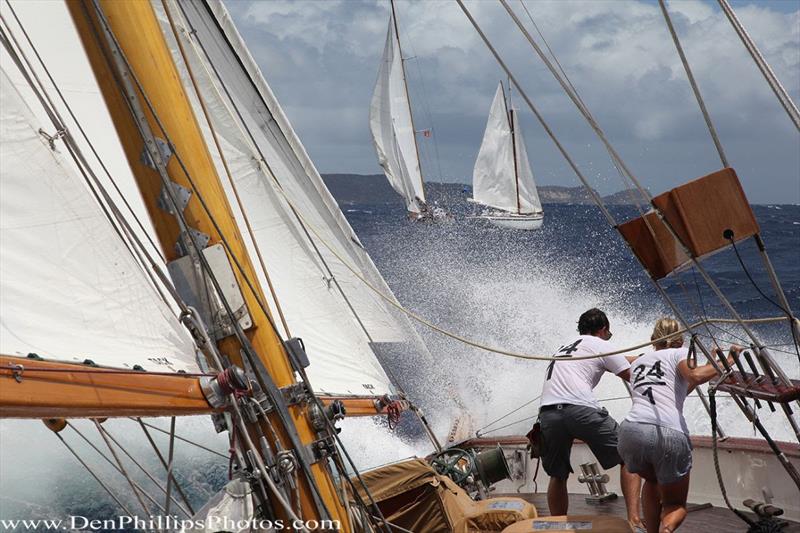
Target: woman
<point x="653" y="438"/>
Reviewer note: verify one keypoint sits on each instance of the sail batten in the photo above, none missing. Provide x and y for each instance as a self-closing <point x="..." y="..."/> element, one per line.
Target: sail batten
<point x="392" y="126"/>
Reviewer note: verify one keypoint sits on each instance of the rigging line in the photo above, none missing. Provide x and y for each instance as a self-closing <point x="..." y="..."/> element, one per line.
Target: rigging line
<point x="509" y="424"/>
<point x="766" y="70"/>
<point x="194" y="247"/>
<point x="624" y="167"/>
<point x="509" y="353"/>
<point x="146" y="473"/>
<point x="539" y="117"/>
<point x="135" y="487"/>
<point x="770" y="300"/>
<point x="249" y="138"/>
<point x="427" y="109"/>
<point x="108" y="371"/>
<point x="616" y="158"/>
<point x="83" y="133"/>
<point x="581" y="106"/>
<point x="224" y="161"/>
<point x="94" y="475"/>
<point x="117" y="224"/>
<point x="151" y="426"/>
<point x="164" y="463"/>
<point x="171" y="456"/>
<point x="254" y="146"/>
<point x="87" y="173"/>
<point x="506" y="415"/>
<point x="693" y="83"/>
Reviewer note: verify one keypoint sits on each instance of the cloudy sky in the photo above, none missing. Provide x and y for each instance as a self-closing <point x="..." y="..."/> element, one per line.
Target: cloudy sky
<point x="321" y="58"/>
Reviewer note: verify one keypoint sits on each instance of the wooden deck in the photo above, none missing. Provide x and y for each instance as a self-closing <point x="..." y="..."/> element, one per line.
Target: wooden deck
<point x="706" y="520"/>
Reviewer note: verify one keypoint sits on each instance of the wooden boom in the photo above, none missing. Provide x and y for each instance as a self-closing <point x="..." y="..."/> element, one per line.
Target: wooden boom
<point x="33" y="388"/>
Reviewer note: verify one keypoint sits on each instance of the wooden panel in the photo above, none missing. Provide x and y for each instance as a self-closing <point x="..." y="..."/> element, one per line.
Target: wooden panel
<point x="77" y="391"/>
<point x="653" y="244"/>
<point x="701" y="210"/>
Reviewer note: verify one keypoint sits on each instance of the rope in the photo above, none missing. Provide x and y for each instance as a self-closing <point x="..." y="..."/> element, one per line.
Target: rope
<point x="151" y="426"/>
<point x="414" y="316"/>
<point x="94" y="475"/>
<point x="693" y="83"/>
<point x="769" y="75"/>
<point x="712" y="399"/>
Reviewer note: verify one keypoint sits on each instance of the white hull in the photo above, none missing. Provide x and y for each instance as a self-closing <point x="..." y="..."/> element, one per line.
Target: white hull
<point x="512" y="221"/>
<point x="749" y="470"/>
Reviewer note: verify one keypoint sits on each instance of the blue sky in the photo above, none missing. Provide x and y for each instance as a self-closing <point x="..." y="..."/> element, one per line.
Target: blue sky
<point x="321" y="60"/>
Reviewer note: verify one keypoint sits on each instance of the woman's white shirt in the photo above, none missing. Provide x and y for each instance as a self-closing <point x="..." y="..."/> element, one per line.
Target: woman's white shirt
<point x="659" y="389"/>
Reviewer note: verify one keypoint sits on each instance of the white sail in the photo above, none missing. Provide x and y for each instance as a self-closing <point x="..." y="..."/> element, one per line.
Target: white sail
<point x="70" y="289"/>
<point x="392" y="128"/>
<point x="493" y="178"/>
<point x="340" y="325"/>
<point x="498" y="180"/>
<point x="528" y="195"/>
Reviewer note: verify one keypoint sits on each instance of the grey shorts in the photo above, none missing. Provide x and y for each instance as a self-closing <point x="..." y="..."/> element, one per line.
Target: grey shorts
<point x="565" y="423"/>
<point x="647" y="448"/>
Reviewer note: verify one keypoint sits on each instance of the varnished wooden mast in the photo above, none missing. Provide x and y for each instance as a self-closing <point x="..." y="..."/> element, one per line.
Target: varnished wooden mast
<point x="138" y="33"/>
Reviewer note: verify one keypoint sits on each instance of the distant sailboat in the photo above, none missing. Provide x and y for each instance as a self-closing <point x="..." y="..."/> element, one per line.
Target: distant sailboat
<point x="392" y="126"/>
<point x="502" y="179"/>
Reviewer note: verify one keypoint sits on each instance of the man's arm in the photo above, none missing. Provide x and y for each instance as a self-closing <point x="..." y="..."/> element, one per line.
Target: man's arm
<point x="625" y="375"/>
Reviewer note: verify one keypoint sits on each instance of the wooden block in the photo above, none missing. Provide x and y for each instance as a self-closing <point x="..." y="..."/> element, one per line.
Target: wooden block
<point x="653" y="244"/>
<point x="699" y="212"/>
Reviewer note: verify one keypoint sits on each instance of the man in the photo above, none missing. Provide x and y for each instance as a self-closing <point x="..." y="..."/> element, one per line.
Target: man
<point x="570" y="411"/>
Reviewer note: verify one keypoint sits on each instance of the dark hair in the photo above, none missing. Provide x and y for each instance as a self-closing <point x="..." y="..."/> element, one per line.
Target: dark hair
<point x="592" y="321"/>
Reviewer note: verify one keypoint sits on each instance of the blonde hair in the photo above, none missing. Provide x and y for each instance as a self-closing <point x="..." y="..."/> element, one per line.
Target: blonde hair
<point x="666" y="327"/>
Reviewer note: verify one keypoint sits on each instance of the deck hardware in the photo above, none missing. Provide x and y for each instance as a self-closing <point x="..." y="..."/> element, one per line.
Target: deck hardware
<point x="164" y="151"/>
<point x="17" y="371"/>
<point x="597" y="484"/>
<point x="295" y="393"/>
<point x="297" y="352"/>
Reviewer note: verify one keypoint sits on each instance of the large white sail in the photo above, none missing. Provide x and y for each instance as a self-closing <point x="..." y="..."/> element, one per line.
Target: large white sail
<point x="70" y="289"/>
<point x="498" y="180"/>
<point x="528" y="195"/>
<point x="341" y="325"/>
<point x="392" y="128"/>
<point x="493" y="178"/>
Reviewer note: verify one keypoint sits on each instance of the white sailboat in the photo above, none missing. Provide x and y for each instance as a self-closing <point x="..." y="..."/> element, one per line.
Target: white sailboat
<point x="392" y="125"/>
<point x="502" y="178"/>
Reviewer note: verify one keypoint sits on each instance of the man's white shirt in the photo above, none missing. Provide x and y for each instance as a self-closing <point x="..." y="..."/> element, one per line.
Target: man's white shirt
<point x="571" y="382"/>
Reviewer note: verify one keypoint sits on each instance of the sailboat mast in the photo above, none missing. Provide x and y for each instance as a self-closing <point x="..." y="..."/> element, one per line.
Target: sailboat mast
<point x="164" y="108"/>
<point x="408" y="99"/>
<point x="510" y="115"/>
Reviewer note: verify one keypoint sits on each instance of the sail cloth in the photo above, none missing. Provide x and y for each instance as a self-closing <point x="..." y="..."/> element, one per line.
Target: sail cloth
<point x="341" y="329"/>
<point x="391" y="126"/>
<point x="70" y="289"/>
<point x="497" y="181"/>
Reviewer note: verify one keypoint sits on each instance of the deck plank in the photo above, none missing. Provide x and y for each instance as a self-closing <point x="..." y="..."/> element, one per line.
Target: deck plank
<point x="708" y="520"/>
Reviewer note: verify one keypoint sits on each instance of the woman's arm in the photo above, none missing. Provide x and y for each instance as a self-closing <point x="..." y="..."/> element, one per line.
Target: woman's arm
<point x="701" y="374"/>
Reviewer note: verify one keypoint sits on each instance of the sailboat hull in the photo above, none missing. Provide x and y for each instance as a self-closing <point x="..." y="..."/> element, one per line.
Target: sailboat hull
<point x="512" y="221"/>
<point x="749" y="469"/>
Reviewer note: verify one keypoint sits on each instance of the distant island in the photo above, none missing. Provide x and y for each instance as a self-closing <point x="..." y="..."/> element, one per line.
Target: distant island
<point x="351" y="189"/>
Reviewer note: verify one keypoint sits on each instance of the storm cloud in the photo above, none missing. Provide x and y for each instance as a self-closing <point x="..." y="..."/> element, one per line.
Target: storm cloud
<point x="321" y="58"/>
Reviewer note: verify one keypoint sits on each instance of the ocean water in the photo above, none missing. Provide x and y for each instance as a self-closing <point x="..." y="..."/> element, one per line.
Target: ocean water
<point x="524" y="290"/>
<point x="520" y="291"/>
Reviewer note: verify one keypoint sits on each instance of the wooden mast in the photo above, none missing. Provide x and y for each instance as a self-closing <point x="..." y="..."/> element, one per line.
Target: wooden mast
<point x="137" y="31"/>
<point x="408" y="100"/>
<point x="510" y="115"/>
